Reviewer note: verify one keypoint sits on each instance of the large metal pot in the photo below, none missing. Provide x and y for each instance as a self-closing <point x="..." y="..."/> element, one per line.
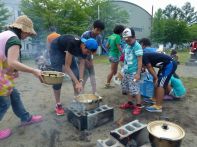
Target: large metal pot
<point x="90" y="101"/>
<point x="165" y="134"/>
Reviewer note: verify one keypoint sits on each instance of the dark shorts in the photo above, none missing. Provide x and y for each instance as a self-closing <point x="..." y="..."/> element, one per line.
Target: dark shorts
<point x="57" y="59"/>
<point x="165" y="74"/>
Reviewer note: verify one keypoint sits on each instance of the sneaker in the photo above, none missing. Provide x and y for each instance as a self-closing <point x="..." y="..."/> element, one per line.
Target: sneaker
<point x="191" y="53"/>
<point x="108" y="85"/>
<point x="150" y="100"/>
<point x="34" y="119"/>
<point x="154" y="108"/>
<point x="126" y="106"/>
<point x="137" y="110"/>
<point x="5" y="133"/>
<point x="59" y="110"/>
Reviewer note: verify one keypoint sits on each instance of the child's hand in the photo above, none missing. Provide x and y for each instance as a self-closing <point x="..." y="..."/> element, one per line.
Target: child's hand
<point x="15" y="74"/>
<point x="79" y="87"/>
<point x="136" y="77"/>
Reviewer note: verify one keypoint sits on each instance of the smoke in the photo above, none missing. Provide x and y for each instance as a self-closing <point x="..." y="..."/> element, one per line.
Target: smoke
<point x="43" y="61"/>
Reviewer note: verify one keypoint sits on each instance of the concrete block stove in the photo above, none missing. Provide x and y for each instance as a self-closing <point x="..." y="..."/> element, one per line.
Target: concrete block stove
<point x="87" y="120"/>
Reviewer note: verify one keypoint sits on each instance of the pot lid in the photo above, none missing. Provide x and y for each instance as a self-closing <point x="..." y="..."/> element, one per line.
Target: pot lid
<point x="166" y="130"/>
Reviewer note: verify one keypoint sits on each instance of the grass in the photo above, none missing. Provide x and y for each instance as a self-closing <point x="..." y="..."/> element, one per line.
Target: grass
<point x="101" y="59"/>
<point x="183" y="55"/>
<point x="190" y="83"/>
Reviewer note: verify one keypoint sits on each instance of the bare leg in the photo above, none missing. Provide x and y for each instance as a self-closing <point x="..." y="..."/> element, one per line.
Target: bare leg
<point x="114" y="68"/>
<point x="168" y="89"/>
<point x="159" y="96"/>
<point x="138" y="99"/>
<point x="57" y="95"/>
<point x="130" y="98"/>
<point x="92" y="79"/>
<point x="85" y="77"/>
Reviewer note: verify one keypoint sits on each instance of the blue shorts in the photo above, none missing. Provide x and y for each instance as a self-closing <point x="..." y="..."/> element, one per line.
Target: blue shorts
<point x="57" y="59"/>
<point x="165" y="74"/>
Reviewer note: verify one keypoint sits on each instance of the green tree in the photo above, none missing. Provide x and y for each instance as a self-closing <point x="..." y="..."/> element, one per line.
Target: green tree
<point x="176" y="32"/>
<point x="4" y="15"/>
<point x="172" y="12"/>
<point x="188" y="14"/>
<point x="185" y="13"/>
<point x="157" y="33"/>
<point x="172" y="24"/>
<point x="193" y="32"/>
<point x="70" y="16"/>
<point x="110" y="14"/>
<point x="67" y="16"/>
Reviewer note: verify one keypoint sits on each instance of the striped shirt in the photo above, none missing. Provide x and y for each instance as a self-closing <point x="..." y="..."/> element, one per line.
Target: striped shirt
<point x="131" y="53"/>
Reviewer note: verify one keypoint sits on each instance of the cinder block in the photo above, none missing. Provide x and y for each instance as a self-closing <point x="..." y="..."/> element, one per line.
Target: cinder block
<point x="109" y="142"/>
<point x="99" y="110"/>
<point x="125" y="133"/>
<point x="90" y="119"/>
<point x="77" y="106"/>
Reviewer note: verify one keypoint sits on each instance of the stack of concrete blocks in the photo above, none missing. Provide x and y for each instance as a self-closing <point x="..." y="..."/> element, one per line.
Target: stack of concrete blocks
<point x="126" y="134"/>
<point x="90" y="119"/>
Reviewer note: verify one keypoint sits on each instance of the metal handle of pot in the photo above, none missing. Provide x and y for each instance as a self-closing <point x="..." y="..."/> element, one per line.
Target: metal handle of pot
<point x="97" y="101"/>
<point x="100" y="100"/>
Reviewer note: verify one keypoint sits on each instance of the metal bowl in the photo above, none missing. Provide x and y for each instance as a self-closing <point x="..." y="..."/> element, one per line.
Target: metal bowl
<point x="52" y="77"/>
<point x="90" y="101"/>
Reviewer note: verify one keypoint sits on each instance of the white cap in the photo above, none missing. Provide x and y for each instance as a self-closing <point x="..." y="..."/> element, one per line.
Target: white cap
<point x="128" y="33"/>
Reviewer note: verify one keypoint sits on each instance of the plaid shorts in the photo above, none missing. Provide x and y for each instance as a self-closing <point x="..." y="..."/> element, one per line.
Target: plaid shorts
<point x="129" y="86"/>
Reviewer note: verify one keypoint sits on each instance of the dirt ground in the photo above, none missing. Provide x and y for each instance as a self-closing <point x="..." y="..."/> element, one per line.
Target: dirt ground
<point x="56" y="131"/>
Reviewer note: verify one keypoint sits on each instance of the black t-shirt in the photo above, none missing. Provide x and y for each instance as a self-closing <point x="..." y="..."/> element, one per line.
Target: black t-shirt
<point x="158" y="60"/>
<point x="69" y="43"/>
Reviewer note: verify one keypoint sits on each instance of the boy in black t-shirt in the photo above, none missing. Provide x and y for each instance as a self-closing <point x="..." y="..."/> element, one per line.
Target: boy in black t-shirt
<point x="167" y="66"/>
<point x="63" y="51"/>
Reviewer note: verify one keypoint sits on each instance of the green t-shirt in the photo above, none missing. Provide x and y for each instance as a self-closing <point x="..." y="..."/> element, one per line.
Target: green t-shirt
<point x="12" y="41"/>
<point x="113" y="41"/>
